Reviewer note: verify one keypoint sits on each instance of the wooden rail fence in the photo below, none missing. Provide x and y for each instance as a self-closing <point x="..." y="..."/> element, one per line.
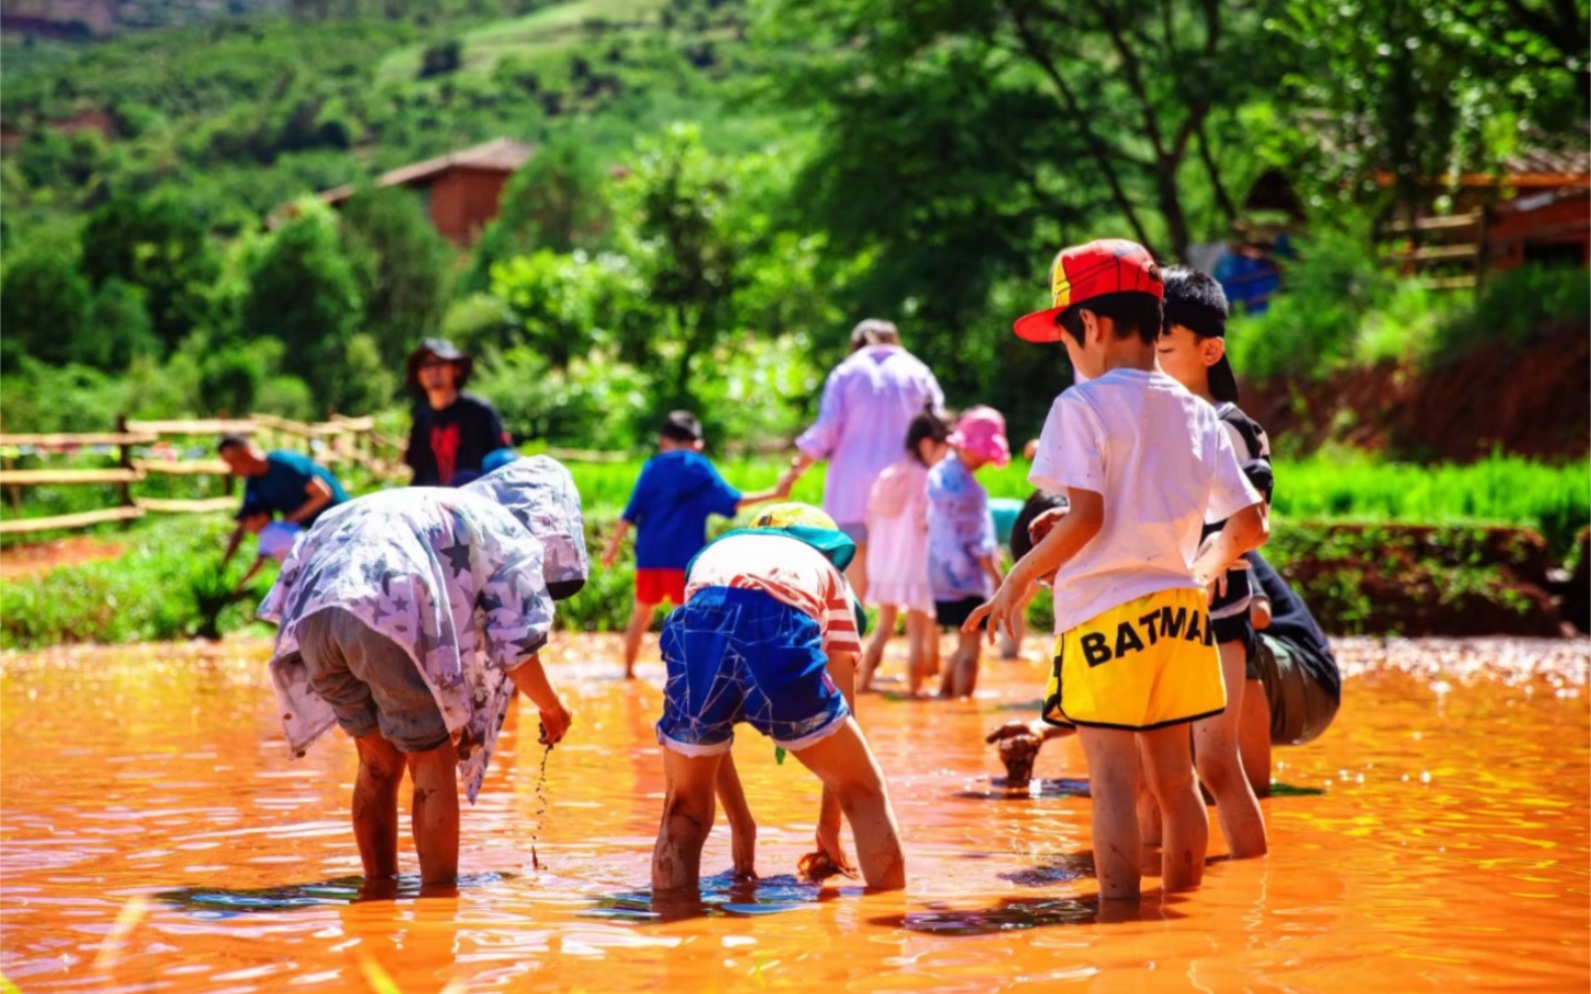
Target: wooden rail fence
<point x="350" y="441"/>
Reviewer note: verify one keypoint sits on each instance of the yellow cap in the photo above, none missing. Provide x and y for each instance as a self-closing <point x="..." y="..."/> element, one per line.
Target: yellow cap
<point x="792" y="514"/>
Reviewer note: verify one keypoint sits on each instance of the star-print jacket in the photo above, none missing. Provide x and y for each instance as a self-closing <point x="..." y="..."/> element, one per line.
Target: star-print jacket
<point x="539" y="491"/>
<point x="451" y="576"/>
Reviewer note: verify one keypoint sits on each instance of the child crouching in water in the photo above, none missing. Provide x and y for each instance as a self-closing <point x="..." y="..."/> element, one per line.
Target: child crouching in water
<point x="768" y="635"/>
<point x="963" y="551"/>
<point x="1142" y="462"/>
<point x="897" y="554"/>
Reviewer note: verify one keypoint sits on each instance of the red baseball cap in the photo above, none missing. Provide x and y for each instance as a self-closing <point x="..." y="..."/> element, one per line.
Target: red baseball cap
<point x="1082" y="272"/>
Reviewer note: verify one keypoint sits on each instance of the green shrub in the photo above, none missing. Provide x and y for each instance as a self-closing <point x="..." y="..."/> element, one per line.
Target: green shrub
<point x="1517" y="307"/>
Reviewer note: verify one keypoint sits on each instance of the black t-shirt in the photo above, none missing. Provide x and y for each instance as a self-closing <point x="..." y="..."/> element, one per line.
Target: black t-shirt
<point x="456" y="439"/>
<point x="1292" y="624"/>
<point x="1253" y="450"/>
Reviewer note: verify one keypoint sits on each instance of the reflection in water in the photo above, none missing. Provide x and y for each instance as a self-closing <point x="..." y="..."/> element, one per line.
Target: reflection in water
<point x="1016" y="915"/>
<point x="154" y="836"/>
<point x="219" y="902"/>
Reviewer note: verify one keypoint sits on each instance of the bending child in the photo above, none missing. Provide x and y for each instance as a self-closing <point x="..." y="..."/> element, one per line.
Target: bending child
<point x="768" y="635"/>
<point x="1141" y="461"/>
<point x="408" y="618"/>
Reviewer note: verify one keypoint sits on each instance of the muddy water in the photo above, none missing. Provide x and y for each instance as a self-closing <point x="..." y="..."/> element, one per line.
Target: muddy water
<point x="155" y="837"/>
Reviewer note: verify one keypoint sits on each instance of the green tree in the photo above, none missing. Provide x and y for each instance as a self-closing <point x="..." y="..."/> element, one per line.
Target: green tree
<point x="159" y="245"/>
<point x="303" y="291"/>
<point x="555" y="202"/>
<point x="401" y="265"/>
<point x="44" y="304"/>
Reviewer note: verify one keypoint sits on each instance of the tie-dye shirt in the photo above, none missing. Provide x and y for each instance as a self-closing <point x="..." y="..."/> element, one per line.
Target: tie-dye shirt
<point x="960" y="531"/>
<point x="790" y="571"/>
<point x="451" y="576"/>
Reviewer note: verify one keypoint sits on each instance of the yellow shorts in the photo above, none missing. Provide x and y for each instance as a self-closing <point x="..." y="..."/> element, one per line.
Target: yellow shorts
<point x="1141" y="665"/>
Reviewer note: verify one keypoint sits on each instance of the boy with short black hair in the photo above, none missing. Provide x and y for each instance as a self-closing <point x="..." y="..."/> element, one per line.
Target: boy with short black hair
<point x="678" y="490"/>
<point x="1192" y="351"/>
<point x="1141" y="460"/>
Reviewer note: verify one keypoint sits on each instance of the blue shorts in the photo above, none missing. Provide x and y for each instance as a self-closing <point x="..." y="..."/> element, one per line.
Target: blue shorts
<point x="743" y="655"/>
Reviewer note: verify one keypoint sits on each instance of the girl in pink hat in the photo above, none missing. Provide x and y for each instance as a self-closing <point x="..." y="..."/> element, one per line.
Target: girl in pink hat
<point x="963" y="550"/>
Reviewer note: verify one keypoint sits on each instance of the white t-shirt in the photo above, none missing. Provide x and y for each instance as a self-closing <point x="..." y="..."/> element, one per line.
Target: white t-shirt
<point x="1164" y="465"/>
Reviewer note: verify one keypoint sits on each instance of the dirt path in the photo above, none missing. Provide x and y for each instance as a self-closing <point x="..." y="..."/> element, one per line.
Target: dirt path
<point x="26" y="560"/>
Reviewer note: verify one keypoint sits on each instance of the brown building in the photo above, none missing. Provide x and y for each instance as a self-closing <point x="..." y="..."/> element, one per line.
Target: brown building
<point x="461" y="190"/>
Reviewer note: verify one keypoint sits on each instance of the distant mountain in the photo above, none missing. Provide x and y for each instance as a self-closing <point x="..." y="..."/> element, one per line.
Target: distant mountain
<point x="84" y="20"/>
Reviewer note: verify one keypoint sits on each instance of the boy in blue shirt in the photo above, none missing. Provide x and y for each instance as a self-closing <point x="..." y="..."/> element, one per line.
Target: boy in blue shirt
<point x="678" y="489"/>
<point x="278" y="482"/>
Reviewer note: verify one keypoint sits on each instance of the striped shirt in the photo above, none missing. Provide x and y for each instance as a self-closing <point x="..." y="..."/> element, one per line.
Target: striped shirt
<point x="788" y="570"/>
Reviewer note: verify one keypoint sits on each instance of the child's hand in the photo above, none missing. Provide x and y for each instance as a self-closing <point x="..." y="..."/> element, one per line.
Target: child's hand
<point x="610" y="555"/>
<point x="743" y="850"/>
<point x="1004" y="612"/>
<point x="829" y="844"/>
<point x="554" y="724"/>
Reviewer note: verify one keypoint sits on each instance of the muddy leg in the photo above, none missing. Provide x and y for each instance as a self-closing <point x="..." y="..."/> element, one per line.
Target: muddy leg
<point x="688" y="810"/>
<point x="640" y="621"/>
<point x="436" y="812"/>
<point x="375" y="805"/>
<point x="875" y="648"/>
<point x="1215" y="750"/>
<point x="846" y="766"/>
<point x="1113" y="783"/>
<point x="1186" y="838"/>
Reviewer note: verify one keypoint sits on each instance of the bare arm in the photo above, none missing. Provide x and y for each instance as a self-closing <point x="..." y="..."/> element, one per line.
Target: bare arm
<point x="615" y="541"/>
<point x="531" y="680"/>
<point x="991" y="566"/>
<point x="319" y="495"/>
<point x="1244" y="531"/>
<point x="232" y="545"/>
<point x="842" y="668"/>
<point x="742" y="826"/>
<point x="1079" y="526"/>
<point x="253" y="569"/>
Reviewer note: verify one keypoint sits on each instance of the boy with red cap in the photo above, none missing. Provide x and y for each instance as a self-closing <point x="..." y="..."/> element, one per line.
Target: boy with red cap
<point x="1142" y="462"/>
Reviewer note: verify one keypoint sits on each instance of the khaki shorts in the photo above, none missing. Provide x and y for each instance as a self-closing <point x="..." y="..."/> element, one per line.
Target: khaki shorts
<point x="1301" y="709"/>
<point x="371" y="683"/>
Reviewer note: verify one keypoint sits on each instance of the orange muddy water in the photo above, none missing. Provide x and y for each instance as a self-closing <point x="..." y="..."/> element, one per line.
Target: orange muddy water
<point x="154" y="836"/>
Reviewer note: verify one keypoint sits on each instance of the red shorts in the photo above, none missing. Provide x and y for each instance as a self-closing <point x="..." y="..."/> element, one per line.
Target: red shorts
<point x="654" y="586"/>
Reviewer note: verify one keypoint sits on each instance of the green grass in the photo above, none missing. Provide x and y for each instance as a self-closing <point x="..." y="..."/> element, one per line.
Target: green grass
<point x="1556" y="500"/>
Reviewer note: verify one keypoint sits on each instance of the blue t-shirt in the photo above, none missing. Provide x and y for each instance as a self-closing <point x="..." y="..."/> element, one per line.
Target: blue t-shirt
<point x="669" y="508"/>
<point x="281" y="488"/>
<point x="960" y="530"/>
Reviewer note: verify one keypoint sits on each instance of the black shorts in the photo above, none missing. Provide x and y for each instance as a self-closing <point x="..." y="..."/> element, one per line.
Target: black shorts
<point x="954" y="614"/>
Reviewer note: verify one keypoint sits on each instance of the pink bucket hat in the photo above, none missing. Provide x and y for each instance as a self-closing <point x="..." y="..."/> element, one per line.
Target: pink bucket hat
<point x="981" y="431"/>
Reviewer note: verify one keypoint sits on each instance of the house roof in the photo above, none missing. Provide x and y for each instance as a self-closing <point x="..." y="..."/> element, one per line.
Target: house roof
<point x="502" y="155"/>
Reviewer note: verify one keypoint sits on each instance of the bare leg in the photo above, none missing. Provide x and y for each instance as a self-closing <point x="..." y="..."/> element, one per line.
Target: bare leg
<point x="875" y="647"/>
<point x="375" y="806"/>
<point x="931" y="664"/>
<point x="846" y="766"/>
<point x="1150" y="829"/>
<point x="1215" y="750"/>
<point x="688" y="810"/>
<point x="1254" y="737"/>
<point x="961" y="671"/>
<point x="436" y="812"/>
<point x="922" y="641"/>
<point x="1187" y="825"/>
<point x="640" y="621"/>
<point x="857" y="572"/>
<point x="1113" y="784"/>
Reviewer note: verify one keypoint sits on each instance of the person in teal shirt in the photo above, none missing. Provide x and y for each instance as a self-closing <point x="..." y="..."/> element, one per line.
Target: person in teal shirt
<point x="278" y="482"/>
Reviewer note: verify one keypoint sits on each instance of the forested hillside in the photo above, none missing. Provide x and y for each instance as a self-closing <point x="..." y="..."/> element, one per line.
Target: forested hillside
<point x="719" y="185"/>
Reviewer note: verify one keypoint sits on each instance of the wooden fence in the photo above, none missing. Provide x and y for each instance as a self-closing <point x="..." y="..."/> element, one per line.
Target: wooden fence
<point x="1445" y="253"/>
<point x="340" y="441"/>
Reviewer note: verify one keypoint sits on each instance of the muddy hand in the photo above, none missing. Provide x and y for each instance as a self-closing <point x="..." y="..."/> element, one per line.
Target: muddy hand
<point x="554" y="726"/>
<point x="1009" y="730"/>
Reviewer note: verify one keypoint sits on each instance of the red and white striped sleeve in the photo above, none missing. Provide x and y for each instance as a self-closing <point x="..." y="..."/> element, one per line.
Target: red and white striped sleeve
<point x="839" y="619"/>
